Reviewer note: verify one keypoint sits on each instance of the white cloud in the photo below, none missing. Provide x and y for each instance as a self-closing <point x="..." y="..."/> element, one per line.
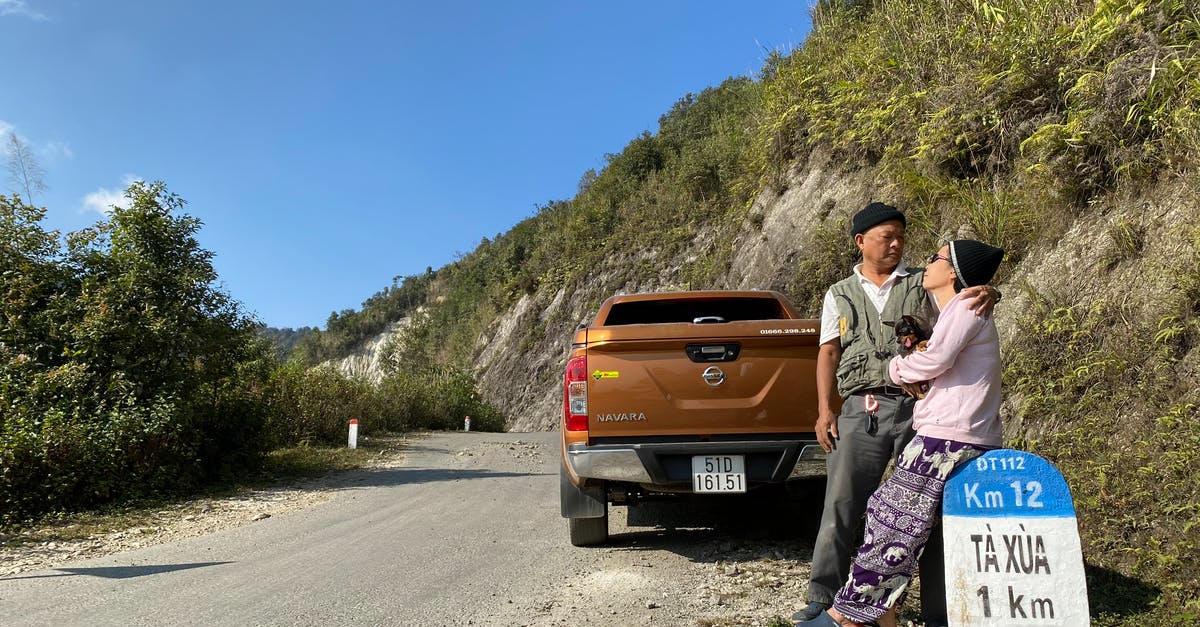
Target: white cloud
<point x="102" y="200"/>
<point x="20" y="8"/>
<point x="55" y="149"/>
<point x="50" y="150"/>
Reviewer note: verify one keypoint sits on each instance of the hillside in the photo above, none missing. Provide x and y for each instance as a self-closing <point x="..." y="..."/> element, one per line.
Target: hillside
<point x="1066" y="132"/>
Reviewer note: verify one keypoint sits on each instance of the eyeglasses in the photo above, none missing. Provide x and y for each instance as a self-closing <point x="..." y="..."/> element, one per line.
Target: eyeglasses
<point x="934" y="257"/>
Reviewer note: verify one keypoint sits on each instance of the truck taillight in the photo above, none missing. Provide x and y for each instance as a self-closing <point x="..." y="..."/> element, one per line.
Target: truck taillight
<point x="575" y="395"/>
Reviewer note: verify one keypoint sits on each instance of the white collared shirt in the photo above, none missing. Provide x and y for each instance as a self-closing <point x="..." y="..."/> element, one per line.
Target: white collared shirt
<point x="877" y="294"/>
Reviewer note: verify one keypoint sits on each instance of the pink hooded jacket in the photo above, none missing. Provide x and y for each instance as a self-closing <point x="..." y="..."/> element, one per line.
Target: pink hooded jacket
<point x="963" y="363"/>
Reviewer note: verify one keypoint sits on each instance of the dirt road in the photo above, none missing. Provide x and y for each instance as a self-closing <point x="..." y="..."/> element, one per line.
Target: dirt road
<point x="466" y="531"/>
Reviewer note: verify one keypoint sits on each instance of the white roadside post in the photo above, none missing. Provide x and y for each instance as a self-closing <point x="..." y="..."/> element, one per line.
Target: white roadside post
<point x="467" y="423"/>
<point x="1012" y="544"/>
<point x="353" y="442"/>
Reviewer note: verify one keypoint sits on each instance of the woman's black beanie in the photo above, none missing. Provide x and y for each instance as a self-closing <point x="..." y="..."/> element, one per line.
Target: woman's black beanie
<point x="974" y="262"/>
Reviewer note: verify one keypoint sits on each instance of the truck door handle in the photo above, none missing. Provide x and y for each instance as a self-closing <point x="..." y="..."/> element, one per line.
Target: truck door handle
<point x="704" y="353"/>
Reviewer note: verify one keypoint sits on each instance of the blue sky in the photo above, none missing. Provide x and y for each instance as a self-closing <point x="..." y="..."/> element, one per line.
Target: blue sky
<point x="329" y="147"/>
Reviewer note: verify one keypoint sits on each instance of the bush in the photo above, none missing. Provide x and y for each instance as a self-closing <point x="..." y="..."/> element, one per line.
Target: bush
<point x="1080" y="375"/>
<point x="123" y="372"/>
<point x="314" y="406"/>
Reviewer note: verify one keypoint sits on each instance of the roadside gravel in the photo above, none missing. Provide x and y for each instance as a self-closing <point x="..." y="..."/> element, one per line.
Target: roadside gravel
<point x="741" y="561"/>
<point x="48" y="545"/>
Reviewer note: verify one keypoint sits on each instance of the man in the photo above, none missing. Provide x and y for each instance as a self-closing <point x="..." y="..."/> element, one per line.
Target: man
<point x="876" y="417"/>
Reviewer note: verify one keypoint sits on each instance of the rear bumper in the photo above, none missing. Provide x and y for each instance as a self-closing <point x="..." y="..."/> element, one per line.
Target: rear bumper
<point x="669" y="464"/>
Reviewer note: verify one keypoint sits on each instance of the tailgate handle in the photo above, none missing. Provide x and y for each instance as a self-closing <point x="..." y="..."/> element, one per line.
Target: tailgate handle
<point x="705" y="353"/>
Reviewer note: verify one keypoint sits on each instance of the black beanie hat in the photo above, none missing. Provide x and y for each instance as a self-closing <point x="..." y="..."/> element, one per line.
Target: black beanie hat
<point x="873" y="214"/>
<point x="975" y="263"/>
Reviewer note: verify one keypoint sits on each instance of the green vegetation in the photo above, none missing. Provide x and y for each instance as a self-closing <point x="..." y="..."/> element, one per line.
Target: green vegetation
<point x="123" y="372"/>
<point x="1105" y="392"/>
<point x="312" y="406"/>
<point x="348" y="329"/>
<point x="1078" y="95"/>
<point x="284" y="340"/>
<point x="1008" y="120"/>
<point x="126" y="375"/>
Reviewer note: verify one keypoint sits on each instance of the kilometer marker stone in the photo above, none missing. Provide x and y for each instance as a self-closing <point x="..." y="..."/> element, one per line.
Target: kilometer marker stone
<point x="1012" y="544"/>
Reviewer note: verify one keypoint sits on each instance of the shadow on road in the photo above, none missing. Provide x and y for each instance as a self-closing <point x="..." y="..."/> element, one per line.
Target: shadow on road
<point x="708" y="529"/>
<point x="119" y="572"/>
<point x="400" y="476"/>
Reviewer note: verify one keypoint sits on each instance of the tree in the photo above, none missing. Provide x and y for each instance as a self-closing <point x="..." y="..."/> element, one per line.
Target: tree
<point x="124" y="370"/>
<point x="33" y="284"/>
<point x="150" y="310"/>
<point x="24" y="172"/>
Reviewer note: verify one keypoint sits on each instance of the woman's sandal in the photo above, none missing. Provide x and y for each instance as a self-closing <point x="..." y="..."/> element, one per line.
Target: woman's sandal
<point x="825" y="619"/>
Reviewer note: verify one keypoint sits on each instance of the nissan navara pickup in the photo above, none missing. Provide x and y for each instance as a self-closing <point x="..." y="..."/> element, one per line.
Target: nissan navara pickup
<point x="703" y="392"/>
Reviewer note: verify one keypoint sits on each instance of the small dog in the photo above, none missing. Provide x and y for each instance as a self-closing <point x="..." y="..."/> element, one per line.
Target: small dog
<point x="912" y="337"/>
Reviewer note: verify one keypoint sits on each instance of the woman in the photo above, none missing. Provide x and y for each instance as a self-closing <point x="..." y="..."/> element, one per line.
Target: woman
<point x="958" y="420"/>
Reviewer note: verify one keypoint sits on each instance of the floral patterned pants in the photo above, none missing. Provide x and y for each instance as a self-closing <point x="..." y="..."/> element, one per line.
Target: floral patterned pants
<point x="900" y="516"/>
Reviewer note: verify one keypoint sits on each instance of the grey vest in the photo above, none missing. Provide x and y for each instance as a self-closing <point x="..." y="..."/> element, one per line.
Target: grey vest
<point x="868" y="344"/>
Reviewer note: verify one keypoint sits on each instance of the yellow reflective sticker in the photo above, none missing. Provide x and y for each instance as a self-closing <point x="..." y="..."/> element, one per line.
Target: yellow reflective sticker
<point x="605" y="374"/>
<point x="842" y="326"/>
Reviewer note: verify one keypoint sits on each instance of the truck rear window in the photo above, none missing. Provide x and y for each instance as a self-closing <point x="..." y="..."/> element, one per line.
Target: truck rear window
<point x="694" y="311"/>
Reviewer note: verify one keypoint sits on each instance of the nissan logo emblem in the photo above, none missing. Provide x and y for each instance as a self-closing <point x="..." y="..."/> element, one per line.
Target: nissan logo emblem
<point x="714" y="376"/>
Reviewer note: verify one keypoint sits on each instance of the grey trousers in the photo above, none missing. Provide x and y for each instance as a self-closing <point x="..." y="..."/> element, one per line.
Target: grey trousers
<point x="855" y="469"/>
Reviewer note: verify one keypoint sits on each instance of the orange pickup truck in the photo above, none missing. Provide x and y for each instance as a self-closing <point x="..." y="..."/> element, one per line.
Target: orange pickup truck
<point x="706" y="392"/>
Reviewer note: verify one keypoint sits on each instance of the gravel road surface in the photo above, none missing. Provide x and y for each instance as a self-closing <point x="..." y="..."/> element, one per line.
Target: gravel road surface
<point x="464" y="530"/>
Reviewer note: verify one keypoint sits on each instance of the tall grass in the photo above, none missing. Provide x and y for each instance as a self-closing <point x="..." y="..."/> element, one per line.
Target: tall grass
<point x="1112" y="396"/>
<point x="1082" y="94"/>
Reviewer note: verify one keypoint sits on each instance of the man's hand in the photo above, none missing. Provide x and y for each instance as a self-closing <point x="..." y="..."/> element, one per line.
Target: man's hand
<point x="983" y="299"/>
<point x="828" y="358"/>
<point x="827" y="429"/>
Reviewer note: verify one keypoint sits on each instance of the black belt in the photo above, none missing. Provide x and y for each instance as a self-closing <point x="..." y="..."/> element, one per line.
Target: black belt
<point x="884" y="389"/>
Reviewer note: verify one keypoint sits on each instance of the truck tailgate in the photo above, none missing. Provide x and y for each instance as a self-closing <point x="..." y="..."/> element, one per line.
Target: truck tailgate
<point x="702" y="379"/>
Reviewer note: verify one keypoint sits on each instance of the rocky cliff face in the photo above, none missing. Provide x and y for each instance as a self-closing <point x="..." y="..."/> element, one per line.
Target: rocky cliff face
<point x="521" y="357"/>
<point x="366" y="362"/>
<point x="777" y="231"/>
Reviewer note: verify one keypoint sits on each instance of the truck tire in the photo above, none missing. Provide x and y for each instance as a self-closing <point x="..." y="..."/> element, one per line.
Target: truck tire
<point x="589" y="531"/>
<point x="586" y="509"/>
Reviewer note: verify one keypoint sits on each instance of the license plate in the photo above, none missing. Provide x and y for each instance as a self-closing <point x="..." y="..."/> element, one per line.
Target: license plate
<point x="719" y="473"/>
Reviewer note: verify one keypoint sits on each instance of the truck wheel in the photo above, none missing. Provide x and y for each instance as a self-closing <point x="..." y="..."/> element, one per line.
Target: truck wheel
<point x="589" y="531"/>
<point x="586" y="509"/>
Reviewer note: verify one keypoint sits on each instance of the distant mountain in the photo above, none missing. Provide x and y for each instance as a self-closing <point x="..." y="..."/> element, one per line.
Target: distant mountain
<point x="284" y="340"/>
